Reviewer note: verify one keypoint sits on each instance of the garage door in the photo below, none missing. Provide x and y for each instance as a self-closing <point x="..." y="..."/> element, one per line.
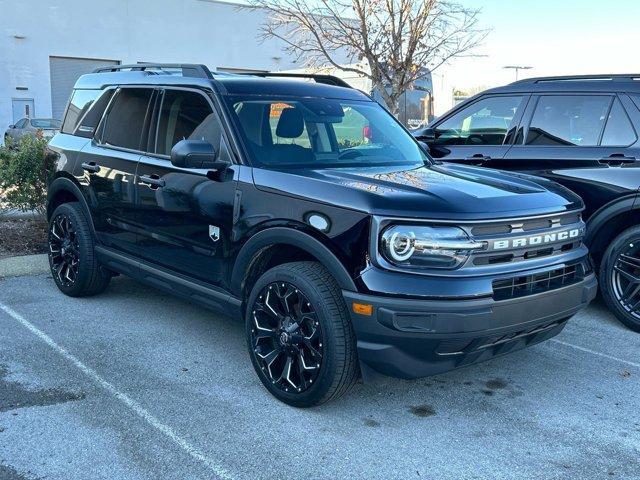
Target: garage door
<point x="64" y="73"/>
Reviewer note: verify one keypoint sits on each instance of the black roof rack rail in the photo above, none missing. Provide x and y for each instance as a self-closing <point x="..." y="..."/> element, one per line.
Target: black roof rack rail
<point x="187" y="69"/>
<point x="319" y="78"/>
<point x="611" y="77"/>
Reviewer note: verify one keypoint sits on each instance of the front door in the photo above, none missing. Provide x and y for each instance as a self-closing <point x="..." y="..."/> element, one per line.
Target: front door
<point x="480" y="132"/>
<point x="23" y="107"/>
<point x="584" y="141"/>
<point x="186" y="215"/>
<point x="106" y="168"/>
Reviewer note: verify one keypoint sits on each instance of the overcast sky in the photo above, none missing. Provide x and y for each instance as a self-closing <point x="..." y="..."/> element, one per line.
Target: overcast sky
<point x="556" y="37"/>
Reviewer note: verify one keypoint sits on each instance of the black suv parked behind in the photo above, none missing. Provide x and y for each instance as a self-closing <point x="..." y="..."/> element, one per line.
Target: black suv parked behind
<point x="580" y="131"/>
<point x="308" y="210"/>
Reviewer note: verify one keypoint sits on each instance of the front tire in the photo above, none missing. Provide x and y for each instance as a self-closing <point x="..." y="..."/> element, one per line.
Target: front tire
<point x="299" y="335"/>
<point x="72" y="259"/>
<point x="620" y="277"/>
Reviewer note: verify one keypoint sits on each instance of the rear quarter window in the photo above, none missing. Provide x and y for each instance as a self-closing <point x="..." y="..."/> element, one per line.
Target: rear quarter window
<point x="85" y="111"/>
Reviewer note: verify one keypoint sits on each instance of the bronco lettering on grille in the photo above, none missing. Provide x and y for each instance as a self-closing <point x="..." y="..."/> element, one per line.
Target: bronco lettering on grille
<point x="534" y="240"/>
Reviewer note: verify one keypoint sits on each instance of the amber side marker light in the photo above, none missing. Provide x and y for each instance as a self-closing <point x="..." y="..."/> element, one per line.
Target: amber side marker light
<point x="363" y="309"/>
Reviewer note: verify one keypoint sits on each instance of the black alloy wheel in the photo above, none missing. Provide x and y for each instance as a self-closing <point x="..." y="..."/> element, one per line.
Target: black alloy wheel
<point x="64" y="250"/>
<point x="286" y="337"/>
<point x="72" y="259"/>
<point x="620" y="277"/>
<point x="299" y="335"/>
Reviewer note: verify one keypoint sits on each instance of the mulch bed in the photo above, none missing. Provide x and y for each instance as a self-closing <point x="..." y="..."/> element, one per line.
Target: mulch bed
<point x="22" y="237"/>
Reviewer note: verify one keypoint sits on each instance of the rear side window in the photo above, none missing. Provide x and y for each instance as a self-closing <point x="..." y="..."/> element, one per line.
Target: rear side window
<point x="124" y="121"/>
<point x="186" y="115"/>
<point x="80" y="102"/>
<point x="619" y="131"/>
<point x="569" y="120"/>
<point x="485" y="122"/>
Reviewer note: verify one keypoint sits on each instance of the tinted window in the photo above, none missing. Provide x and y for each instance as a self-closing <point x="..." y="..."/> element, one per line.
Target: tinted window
<point x="185" y="115"/>
<point x="568" y="120"/>
<point x="619" y="131"/>
<point x="321" y="133"/>
<point x="81" y="101"/>
<point x="125" y="119"/>
<point x="485" y="122"/>
<point x="45" y="123"/>
<point x="22" y="123"/>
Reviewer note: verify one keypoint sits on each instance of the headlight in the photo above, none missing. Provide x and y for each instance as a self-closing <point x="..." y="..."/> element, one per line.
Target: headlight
<point x="427" y="247"/>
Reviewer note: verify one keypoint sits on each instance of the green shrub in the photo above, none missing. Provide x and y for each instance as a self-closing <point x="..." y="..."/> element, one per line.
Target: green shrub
<point x="24" y="171"/>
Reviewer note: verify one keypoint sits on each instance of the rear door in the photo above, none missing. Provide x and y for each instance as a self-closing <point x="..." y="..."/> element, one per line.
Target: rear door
<point x="480" y="132"/>
<point x="107" y="166"/>
<point x="186" y="215"/>
<point x="586" y="142"/>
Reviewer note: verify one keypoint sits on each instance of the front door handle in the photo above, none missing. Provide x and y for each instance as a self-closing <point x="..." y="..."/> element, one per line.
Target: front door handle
<point x="478" y="159"/>
<point x="153" y="181"/>
<point x="617" y="159"/>
<point x="91" y="167"/>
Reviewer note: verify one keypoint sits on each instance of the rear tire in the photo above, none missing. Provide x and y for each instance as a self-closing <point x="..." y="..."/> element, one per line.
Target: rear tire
<point x="72" y="258"/>
<point x="620" y="277"/>
<point x="299" y="335"/>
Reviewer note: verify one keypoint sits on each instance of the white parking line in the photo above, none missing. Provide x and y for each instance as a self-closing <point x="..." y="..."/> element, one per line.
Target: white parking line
<point x="122" y="397"/>
<point x="593" y="352"/>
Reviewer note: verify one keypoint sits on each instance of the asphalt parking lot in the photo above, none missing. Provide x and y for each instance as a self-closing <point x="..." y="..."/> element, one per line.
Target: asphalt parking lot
<point x="134" y="384"/>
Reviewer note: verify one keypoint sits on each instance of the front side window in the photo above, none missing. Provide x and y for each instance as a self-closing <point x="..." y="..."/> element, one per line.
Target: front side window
<point x="322" y="133"/>
<point x="186" y="115"/>
<point x="22" y="123"/>
<point x="485" y="122"/>
<point x="124" y="121"/>
<point x="568" y="120"/>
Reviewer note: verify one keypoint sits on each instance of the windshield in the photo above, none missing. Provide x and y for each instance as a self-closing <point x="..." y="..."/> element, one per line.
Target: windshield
<point x="322" y="133"/>
<point x="45" y="123"/>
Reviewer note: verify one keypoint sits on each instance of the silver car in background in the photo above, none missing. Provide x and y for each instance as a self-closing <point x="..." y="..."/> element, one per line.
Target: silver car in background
<point x="37" y="127"/>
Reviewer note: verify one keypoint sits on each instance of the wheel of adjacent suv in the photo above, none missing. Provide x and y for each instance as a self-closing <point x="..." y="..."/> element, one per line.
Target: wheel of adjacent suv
<point x="620" y="277"/>
<point x="299" y="335"/>
<point x="71" y="253"/>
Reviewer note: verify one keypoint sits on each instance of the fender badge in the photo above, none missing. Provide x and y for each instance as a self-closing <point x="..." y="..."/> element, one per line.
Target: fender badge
<point x="214" y="233"/>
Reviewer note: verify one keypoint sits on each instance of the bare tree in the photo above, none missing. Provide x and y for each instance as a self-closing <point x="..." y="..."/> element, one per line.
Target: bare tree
<point x="400" y="41"/>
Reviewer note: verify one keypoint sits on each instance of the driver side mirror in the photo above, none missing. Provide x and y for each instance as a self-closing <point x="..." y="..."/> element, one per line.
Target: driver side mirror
<point x="12" y="126"/>
<point x="196" y="154"/>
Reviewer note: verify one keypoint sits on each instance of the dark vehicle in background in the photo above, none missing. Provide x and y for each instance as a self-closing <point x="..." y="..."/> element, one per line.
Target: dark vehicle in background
<point x="580" y="131"/>
<point x="35" y="127"/>
<point x="344" y="254"/>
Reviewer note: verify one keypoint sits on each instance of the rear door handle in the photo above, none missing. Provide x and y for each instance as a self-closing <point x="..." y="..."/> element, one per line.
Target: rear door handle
<point x="154" y="181"/>
<point x="478" y="159"/>
<point x="91" y="167"/>
<point x="617" y="159"/>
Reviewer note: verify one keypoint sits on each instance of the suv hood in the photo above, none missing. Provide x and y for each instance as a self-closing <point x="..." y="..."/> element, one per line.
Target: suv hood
<point x="446" y="191"/>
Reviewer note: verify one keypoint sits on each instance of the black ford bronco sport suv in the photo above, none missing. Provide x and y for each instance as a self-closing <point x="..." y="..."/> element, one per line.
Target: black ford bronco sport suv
<point x="580" y="131"/>
<point x="305" y="208"/>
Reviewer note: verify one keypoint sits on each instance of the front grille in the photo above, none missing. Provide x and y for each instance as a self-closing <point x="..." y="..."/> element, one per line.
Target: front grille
<point x="539" y="228"/>
<point x="524" y="285"/>
<point x="526" y="225"/>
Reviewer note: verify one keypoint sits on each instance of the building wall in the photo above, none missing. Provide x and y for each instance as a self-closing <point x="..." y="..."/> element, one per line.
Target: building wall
<point x="215" y="33"/>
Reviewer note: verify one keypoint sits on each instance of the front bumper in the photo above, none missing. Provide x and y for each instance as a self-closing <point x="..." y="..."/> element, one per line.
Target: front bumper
<point x="410" y="338"/>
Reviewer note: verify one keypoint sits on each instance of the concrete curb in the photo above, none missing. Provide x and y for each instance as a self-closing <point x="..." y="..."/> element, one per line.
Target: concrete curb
<point x="19" y="215"/>
<point x="24" y="265"/>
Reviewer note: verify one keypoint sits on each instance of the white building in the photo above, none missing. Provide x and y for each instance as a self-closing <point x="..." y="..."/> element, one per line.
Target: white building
<point x="45" y="45"/>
